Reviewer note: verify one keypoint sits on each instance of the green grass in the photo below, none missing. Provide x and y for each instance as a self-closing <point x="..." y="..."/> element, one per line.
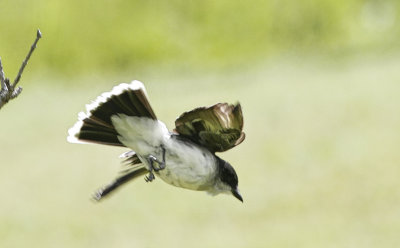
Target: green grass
<point x="319" y="166"/>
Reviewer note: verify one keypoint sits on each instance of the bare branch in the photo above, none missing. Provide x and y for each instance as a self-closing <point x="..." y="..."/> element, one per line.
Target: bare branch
<point x="25" y="62"/>
<point x="2" y="77"/>
<point x="8" y="91"/>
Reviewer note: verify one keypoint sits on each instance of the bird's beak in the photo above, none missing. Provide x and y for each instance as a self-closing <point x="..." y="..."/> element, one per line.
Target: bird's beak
<point x="236" y="193"/>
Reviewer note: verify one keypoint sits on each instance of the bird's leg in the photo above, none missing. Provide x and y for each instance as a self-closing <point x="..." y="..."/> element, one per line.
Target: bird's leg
<point x="152" y="160"/>
<point x="161" y="164"/>
<point x="150" y="177"/>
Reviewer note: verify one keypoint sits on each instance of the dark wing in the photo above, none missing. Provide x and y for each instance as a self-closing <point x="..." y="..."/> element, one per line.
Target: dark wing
<point x="133" y="169"/>
<point x="218" y="128"/>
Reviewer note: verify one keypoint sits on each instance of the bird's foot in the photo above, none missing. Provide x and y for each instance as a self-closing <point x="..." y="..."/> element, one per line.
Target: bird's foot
<point x="150" y="177"/>
<point x="152" y="161"/>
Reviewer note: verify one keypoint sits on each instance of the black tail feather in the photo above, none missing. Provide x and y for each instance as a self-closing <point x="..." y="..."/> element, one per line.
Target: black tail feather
<point x="95" y="126"/>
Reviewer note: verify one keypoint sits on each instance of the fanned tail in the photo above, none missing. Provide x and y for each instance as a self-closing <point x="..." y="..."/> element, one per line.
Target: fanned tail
<point x="95" y="125"/>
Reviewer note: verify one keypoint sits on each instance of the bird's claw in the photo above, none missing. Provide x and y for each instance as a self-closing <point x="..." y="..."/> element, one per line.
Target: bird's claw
<point x="152" y="160"/>
<point x="150" y="177"/>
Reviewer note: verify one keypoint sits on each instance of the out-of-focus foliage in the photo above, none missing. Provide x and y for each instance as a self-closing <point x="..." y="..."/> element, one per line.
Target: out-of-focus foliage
<point x="128" y="35"/>
<point x="319" y="166"/>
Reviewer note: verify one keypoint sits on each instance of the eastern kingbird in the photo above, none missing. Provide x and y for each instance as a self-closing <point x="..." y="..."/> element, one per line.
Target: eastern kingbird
<point x="184" y="157"/>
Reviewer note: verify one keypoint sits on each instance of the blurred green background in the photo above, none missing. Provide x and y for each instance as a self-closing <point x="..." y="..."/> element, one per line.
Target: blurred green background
<point x="319" y="85"/>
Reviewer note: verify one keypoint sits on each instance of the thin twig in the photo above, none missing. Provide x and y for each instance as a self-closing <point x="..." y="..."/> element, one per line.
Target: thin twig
<point x="8" y="91"/>
<point x="2" y="77"/>
<point x="25" y="62"/>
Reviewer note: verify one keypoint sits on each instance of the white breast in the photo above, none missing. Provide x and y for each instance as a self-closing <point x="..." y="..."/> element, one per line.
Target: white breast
<point x="188" y="165"/>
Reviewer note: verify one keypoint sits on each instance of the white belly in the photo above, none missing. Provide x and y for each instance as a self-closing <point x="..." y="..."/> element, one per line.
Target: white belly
<point x="187" y="165"/>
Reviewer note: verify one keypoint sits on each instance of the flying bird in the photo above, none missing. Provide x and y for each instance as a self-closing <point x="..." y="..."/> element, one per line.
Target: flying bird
<point x="184" y="157"/>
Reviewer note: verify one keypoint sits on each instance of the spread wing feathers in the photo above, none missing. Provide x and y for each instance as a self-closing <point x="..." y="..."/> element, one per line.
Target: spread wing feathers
<point x="133" y="169"/>
<point x="218" y="128"/>
<point x="95" y="125"/>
